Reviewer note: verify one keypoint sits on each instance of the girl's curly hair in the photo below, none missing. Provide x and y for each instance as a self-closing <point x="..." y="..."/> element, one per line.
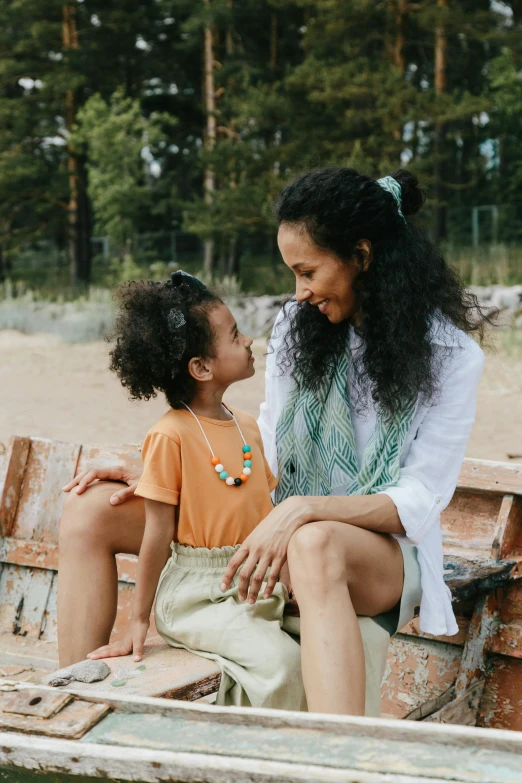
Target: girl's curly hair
<point x="407" y="284"/>
<point x="152" y="353"/>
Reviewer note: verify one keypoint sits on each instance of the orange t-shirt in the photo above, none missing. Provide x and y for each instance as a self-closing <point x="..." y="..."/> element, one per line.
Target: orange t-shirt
<point x="178" y="470"/>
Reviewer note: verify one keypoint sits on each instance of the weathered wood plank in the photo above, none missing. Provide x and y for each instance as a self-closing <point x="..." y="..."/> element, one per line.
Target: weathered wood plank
<point x="432" y="706"/>
<point x="34" y="702"/>
<point x="416" y="673"/>
<point x="490" y="476"/>
<point x="468" y="578"/>
<point x="33" y="554"/>
<point x="470" y="521"/>
<point x="72" y="722"/>
<point x="11" y="477"/>
<point x="413" y="629"/>
<point x="43" y="554"/>
<point x="103" y="455"/>
<point x="398" y="731"/>
<point x="29" y="652"/>
<point x="167" y="671"/>
<point x="509" y="528"/>
<point x="23" y="598"/>
<point x="51" y="464"/>
<point x="483" y="625"/>
<point x="463" y="709"/>
<point x="62" y="760"/>
<point x="501" y="705"/>
<point x="49" y="627"/>
<point x="305" y="746"/>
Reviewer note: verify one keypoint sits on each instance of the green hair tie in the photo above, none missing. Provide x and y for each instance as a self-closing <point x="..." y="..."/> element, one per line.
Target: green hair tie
<point x="392" y="186"/>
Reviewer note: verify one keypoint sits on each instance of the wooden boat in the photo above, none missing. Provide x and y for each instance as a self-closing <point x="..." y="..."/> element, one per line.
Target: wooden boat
<point x="451" y="707"/>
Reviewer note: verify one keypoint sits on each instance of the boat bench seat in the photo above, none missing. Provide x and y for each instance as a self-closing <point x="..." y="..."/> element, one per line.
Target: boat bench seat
<point x="164" y="671"/>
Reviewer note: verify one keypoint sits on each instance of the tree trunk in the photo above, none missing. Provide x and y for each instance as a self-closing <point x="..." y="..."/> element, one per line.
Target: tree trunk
<point x="441" y="49"/>
<point x="273" y="40"/>
<point x="210" y="138"/>
<point x="78" y="223"/>
<point x="516" y="6"/>
<point x="229" y="39"/>
<point x="399" y="57"/>
<point x="401" y="15"/>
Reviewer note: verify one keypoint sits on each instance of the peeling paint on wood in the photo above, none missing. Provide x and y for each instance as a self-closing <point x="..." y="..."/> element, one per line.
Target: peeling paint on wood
<point x="463" y="709"/>
<point x="23" y="599"/>
<point x="483" y="625"/>
<point x="501" y="705"/>
<point x="413" y="629"/>
<point x="416" y="673"/>
<point x="470" y="521"/>
<point x="305" y="746"/>
<point x="509" y="529"/>
<point x="469" y="578"/>
<point x="34" y="702"/>
<point x="491" y="476"/>
<point x="11" y="478"/>
<point x="71" y="722"/>
<point x="50" y="465"/>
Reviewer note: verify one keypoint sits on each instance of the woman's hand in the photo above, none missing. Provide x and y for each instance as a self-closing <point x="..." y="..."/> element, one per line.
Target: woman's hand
<point x="266" y="547"/>
<point x="129" y="476"/>
<point x="133" y="642"/>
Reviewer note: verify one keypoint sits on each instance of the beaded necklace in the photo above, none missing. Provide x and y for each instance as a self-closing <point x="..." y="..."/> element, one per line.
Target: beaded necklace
<point x="218" y="467"/>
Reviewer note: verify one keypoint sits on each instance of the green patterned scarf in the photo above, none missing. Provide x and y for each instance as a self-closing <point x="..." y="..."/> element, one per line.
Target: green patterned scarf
<point x="316" y="450"/>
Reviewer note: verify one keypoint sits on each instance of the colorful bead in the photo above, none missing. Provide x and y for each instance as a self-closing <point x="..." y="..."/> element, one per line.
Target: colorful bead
<point x="215" y="460"/>
<point x="243" y="478"/>
<point x="247" y="471"/>
<point x="238" y="482"/>
<point x="230" y="481"/>
<point x="248" y="456"/>
<point x="223" y="475"/>
<point x="219" y="467"/>
<point x="247" y="463"/>
<point x="246" y="448"/>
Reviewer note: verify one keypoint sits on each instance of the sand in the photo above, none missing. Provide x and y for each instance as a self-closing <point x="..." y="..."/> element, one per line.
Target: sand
<point x="55" y="390"/>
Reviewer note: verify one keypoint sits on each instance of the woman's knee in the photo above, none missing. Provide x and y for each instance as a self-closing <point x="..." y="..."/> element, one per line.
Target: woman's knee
<point x="314" y="552"/>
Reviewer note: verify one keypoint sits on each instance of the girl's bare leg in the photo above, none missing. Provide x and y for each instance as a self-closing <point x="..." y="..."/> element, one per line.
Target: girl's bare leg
<point x="339" y="571"/>
<point x="92" y="532"/>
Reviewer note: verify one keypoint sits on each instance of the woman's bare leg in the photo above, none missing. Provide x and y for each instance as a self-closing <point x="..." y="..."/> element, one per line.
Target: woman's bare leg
<point x="92" y="532"/>
<point x="339" y="571"/>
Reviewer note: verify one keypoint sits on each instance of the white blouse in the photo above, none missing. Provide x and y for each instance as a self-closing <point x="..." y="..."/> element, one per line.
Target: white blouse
<point x="430" y="462"/>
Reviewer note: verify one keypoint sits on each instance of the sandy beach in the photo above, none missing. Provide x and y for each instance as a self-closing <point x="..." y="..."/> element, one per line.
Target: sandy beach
<point x="56" y="390"/>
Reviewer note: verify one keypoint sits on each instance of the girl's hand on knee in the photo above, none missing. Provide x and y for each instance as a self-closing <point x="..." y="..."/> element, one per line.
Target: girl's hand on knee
<point x="128" y="476"/>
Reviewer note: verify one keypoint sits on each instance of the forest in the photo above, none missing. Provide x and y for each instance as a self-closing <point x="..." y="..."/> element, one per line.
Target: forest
<point x="134" y="134"/>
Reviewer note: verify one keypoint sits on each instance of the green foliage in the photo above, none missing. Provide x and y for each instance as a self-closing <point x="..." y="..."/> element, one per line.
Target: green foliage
<point x="119" y="139"/>
<point x="298" y="83"/>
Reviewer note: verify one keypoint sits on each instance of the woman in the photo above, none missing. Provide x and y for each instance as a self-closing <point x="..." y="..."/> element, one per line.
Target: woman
<point x="370" y="398"/>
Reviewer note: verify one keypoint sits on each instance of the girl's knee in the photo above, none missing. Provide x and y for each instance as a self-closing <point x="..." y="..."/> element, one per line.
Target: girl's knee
<point x="85" y="517"/>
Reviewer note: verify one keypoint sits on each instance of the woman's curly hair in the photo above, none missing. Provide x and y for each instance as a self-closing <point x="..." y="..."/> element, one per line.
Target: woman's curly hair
<point x="152" y="353"/>
<point x="407" y="285"/>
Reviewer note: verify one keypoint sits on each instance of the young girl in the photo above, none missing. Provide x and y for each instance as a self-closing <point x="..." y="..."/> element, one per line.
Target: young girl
<point x="206" y="485"/>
